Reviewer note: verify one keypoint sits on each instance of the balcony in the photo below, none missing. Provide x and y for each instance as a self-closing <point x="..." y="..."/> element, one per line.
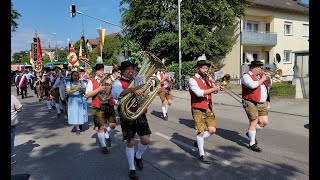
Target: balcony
<point x="258" y="38"/>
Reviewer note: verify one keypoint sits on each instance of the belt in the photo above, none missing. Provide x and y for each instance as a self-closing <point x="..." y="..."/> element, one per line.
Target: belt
<point x="254" y="102"/>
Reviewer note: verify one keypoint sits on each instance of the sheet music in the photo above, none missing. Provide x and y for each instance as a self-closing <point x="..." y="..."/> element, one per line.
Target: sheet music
<point x="138" y="80"/>
<point x="218" y="75"/>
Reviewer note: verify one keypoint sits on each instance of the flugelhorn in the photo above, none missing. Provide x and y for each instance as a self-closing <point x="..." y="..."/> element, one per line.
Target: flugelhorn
<point x="106" y="94"/>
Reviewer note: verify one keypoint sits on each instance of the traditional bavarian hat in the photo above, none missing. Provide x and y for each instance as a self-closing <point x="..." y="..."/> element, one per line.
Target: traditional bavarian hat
<point x="256" y="63"/>
<point x="202" y="63"/>
<point x="99" y="66"/>
<point x="54" y="68"/>
<point x="126" y="64"/>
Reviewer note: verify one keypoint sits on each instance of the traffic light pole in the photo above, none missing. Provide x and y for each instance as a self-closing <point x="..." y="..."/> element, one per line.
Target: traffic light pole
<point x="122" y="28"/>
<point x="79" y="12"/>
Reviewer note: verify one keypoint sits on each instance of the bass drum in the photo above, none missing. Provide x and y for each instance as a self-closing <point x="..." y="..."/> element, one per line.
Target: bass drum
<point x="63" y="89"/>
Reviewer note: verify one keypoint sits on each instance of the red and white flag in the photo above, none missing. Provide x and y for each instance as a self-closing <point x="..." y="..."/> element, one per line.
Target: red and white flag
<point x="51" y="55"/>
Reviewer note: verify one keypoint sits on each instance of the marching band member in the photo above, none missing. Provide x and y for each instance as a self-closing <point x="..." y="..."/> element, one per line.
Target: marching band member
<point x="164" y="92"/>
<point x="129" y="129"/>
<point x="23" y="83"/>
<point x="201" y="89"/>
<point x="103" y="112"/>
<point x="17" y="80"/>
<point x="115" y="74"/>
<point x="45" y="79"/>
<point x="77" y="104"/>
<point x="64" y="102"/>
<point x="54" y="91"/>
<point x="254" y="95"/>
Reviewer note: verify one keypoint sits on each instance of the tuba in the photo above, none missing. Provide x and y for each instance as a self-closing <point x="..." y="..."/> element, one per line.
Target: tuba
<point x="150" y="65"/>
<point x="106" y="94"/>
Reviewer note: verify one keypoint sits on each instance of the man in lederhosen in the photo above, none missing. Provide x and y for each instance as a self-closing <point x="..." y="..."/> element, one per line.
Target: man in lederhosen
<point x="103" y="111"/>
<point x="130" y="128"/>
<point x="201" y="88"/>
<point x="54" y="91"/>
<point x="165" y="92"/>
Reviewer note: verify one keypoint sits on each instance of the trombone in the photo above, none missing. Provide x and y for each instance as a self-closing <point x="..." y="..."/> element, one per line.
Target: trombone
<point x="277" y="74"/>
<point x="224" y="81"/>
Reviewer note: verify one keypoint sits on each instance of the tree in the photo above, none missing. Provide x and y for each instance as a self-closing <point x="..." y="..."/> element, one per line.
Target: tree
<point x="207" y="26"/>
<point x="14" y="16"/>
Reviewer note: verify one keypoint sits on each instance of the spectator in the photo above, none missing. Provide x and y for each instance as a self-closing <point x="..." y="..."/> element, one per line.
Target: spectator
<point x="15" y="107"/>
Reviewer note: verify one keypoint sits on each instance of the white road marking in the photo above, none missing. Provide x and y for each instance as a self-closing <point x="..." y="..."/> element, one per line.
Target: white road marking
<point x="226" y="162"/>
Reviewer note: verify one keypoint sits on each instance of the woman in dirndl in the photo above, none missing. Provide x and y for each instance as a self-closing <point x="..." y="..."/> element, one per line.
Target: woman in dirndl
<point x="77" y="104"/>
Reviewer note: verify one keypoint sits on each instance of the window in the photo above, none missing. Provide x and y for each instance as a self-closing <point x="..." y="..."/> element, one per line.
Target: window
<point x="252" y="26"/>
<point x="287" y="28"/>
<point x="287" y="56"/>
<point x="305" y="30"/>
<point x="267" y="27"/>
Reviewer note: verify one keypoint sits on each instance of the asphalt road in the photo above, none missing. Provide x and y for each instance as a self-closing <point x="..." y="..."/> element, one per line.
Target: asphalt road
<point x="48" y="150"/>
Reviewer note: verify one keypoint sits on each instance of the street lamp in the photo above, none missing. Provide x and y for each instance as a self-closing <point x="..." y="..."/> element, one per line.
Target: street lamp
<point x="55" y="35"/>
<point x="180" y="84"/>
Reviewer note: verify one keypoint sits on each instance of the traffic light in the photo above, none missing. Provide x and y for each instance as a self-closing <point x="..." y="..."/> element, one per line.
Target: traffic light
<point x="129" y="56"/>
<point x="73" y="10"/>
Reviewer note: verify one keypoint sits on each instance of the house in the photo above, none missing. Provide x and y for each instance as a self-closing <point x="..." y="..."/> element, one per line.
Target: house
<point x="94" y="44"/>
<point x="269" y="27"/>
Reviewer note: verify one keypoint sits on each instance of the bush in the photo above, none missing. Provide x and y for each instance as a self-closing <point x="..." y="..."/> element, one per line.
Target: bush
<point x="282" y="89"/>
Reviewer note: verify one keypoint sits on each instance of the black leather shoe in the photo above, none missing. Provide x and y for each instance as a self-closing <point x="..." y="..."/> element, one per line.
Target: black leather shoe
<point x="108" y="142"/>
<point x="204" y="160"/>
<point x="105" y="150"/>
<point x="255" y="148"/>
<point x="256" y="142"/>
<point x="138" y="162"/>
<point x="133" y="174"/>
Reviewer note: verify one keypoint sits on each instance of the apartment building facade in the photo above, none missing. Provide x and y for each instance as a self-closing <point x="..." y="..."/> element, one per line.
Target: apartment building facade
<point x="270" y="27"/>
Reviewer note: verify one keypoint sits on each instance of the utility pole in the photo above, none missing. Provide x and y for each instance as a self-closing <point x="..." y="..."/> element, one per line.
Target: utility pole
<point x="179" y="17"/>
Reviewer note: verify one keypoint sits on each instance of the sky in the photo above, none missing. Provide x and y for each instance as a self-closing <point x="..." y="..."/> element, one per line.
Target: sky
<point x="51" y="19"/>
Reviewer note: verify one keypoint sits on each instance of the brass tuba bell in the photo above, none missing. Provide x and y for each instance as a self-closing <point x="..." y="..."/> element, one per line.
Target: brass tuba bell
<point x="150" y="65"/>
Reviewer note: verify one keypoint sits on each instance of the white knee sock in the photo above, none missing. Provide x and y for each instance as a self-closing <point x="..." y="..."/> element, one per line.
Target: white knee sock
<point x="109" y="130"/>
<point x="206" y="135"/>
<point x="167" y="107"/>
<point x="101" y="138"/>
<point x="164" y="111"/>
<point x="200" y="142"/>
<point x="130" y="157"/>
<point x="141" y="149"/>
<point x="252" y="137"/>
<point x="49" y="104"/>
<point x="258" y="128"/>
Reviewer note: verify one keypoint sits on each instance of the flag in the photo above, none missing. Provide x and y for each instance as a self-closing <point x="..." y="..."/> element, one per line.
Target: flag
<point x="39" y="53"/>
<point x="51" y="55"/>
<point x="102" y="35"/>
<point x="82" y="51"/>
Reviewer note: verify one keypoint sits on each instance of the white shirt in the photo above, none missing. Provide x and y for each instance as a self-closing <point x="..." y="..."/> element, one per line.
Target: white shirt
<point x="193" y="86"/>
<point x="164" y="76"/>
<point x="89" y="87"/>
<point x="250" y="83"/>
<point x="15" y="104"/>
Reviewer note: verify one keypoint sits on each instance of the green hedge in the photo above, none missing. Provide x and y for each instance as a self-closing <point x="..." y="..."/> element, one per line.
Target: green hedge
<point x="187" y="68"/>
<point x="282" y="89"/>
